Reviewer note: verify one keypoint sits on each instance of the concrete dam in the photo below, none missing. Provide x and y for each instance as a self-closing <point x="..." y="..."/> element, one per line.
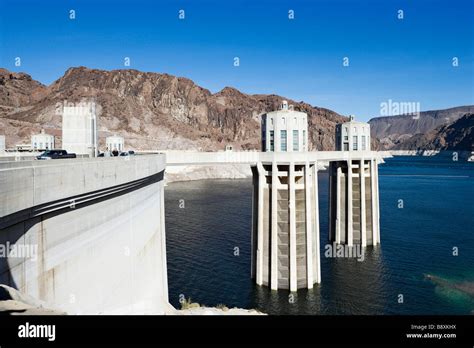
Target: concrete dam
<point x="86" y="236"/>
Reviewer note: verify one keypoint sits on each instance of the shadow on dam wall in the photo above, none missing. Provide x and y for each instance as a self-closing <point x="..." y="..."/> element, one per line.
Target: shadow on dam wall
<point x="91" y="253"/>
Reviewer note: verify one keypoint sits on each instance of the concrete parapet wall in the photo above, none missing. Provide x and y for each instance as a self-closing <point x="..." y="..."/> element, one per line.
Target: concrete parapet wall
<point x="106" y="254"/>
<point x="30" y="183"/>
<point x="176" y="158"/>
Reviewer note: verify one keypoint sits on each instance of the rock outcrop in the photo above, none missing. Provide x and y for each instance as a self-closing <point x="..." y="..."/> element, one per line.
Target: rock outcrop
<point x="17" y="91"/>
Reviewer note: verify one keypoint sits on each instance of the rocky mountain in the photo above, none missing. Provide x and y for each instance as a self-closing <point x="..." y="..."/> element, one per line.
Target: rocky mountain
<point x="394" y="130"/>
<point x="18" y="90"/>
<point x="150" y="110"/>
<point x="458" y="136"/>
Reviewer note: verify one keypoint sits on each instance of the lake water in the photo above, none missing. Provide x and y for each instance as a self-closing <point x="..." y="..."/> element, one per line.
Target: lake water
<point x="426" y="207"/>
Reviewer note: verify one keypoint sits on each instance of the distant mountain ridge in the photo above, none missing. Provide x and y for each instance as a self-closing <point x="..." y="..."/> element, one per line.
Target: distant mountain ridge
<point x="394" y="130"/>
<point x="151" y="110"/>
<point x="457" y="136"/>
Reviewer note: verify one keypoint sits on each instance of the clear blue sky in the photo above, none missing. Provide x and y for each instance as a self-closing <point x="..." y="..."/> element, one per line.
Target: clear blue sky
<point x="407" y="60"/>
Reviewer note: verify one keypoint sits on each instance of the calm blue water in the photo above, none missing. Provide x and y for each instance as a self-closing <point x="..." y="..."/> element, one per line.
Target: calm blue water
<point x="417" y="239"/>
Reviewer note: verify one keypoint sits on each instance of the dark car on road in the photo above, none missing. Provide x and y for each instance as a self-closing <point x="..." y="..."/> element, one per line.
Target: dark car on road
<point x="55" y="154"/>
<point x="127" y="153"/>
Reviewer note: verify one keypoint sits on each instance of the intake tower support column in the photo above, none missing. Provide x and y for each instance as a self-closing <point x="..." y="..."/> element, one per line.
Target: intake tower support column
<point x="287" y="221"/>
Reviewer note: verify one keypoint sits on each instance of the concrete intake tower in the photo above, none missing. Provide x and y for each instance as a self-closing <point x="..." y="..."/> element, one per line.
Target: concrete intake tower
<point x="285" y="210"/>
<point x="285" y="237"/>
<point x="353" y="189"/>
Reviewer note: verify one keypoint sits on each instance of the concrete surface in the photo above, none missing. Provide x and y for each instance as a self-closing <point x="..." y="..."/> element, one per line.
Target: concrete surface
<point x="183" y="158"/>
<point x="97" y="226"/>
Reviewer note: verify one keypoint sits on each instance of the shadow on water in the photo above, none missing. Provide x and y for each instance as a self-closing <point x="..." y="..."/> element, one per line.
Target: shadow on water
<point x="304" y="301"/>
<point x="355" y="287"/>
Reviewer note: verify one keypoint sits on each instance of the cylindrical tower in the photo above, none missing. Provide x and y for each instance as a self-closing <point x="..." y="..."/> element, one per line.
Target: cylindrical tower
<point x="285" y="238"/>
<point x="353" y="189"/>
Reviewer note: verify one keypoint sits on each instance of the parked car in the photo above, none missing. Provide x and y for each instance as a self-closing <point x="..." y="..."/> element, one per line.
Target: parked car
<point x="55" y="154"/>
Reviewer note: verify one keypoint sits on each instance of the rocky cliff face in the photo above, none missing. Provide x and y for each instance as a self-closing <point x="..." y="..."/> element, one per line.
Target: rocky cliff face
<point x="18" y="90"/>
<point x="151" y="111"/>
<point x="394" y="130"/>
<point x="458" y="136"/>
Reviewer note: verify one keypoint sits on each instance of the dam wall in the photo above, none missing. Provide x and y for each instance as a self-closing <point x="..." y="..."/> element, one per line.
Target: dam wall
<point x="86" y="236"/>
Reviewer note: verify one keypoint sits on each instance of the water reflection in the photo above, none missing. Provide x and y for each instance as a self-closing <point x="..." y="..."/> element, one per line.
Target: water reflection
<point x="303" y="301"/>
<point x="355" y="287"/>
